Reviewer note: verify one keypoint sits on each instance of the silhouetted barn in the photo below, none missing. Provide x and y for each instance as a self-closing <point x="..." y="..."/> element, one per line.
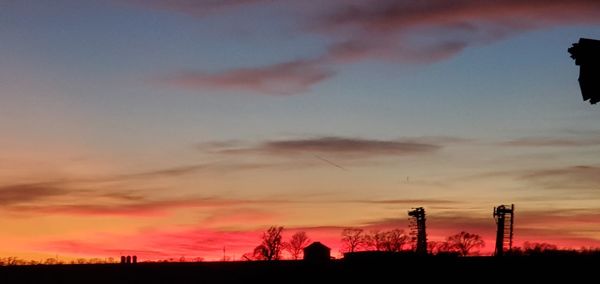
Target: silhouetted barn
<point x="317" y="252"/>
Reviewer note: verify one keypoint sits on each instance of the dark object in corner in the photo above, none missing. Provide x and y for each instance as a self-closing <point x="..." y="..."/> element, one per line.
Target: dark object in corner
<point x="587" y="55"/>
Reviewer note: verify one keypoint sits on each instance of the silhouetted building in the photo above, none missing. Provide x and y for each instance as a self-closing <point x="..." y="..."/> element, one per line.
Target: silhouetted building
<point x="317" y="252"/>
<point x="128" y="259"/>
<point x="587" y="55"/>
<point x="418" y="232"/>
<point x="504" y="217"/>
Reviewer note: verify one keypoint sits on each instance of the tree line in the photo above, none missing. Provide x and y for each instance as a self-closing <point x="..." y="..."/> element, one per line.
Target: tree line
<point x="395" y="240"/>
<point x="357" y="239"/>
<point x="272" y="245"/>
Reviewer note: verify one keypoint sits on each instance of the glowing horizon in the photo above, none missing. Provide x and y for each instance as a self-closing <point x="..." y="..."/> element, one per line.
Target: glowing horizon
<point x="176" y="128"/>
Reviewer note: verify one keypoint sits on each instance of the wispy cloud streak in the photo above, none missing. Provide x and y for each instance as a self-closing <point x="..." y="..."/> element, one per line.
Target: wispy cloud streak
<point x="552" y="142"/>
<point x="197" y="8"/>
<point x="281" y="79"/>
<point x="576" y="177"/>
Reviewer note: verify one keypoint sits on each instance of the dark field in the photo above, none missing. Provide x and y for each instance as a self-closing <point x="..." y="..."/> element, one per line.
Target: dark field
<point x="547" y="269"/>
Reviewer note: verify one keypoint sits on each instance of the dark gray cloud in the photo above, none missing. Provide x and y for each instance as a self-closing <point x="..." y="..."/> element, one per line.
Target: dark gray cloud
<point x="339" y="146"/>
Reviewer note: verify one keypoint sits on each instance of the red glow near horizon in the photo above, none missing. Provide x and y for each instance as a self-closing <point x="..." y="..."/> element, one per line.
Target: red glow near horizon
<point x="231" y="246"/>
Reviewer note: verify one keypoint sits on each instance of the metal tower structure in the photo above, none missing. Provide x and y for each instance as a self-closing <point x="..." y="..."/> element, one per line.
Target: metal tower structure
<point x="417" y="230"/>
<point x="504" y="217"/>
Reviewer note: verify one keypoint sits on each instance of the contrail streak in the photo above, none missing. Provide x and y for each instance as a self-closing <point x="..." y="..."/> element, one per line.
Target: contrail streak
<point x="331" y="163"/>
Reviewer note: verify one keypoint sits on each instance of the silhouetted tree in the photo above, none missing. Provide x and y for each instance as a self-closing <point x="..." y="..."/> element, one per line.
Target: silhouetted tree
<point x="464" y="242"/>
<point x="433" y="247"/>
<point x="445" y="248"/>
<point x="375" y="240"/>
<point x="52" y="261"/>
<point x="270" y="248"/>
<point x="538" y="248"/>
<point x="393" y="240"/>
<point x="297" y="243"/>
<point x="353" y="239"/>
<point x="11" y="260"/>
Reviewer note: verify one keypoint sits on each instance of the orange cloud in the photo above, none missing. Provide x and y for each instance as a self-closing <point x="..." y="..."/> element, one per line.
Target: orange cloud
<point x="140" y="208"/>
<point x="22" y="193"/>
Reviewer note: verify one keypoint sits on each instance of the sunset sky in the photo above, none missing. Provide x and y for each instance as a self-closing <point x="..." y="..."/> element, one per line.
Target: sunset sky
<point x="180" y="128"/>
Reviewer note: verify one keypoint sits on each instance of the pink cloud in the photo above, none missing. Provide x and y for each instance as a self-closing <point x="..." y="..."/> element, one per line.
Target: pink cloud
<point x="286" y="78"/>
<point x="431" y="30"/>
<point x="410" y="31"/>
<point x="394" y="15"/>
<point x="384" y="49"/>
